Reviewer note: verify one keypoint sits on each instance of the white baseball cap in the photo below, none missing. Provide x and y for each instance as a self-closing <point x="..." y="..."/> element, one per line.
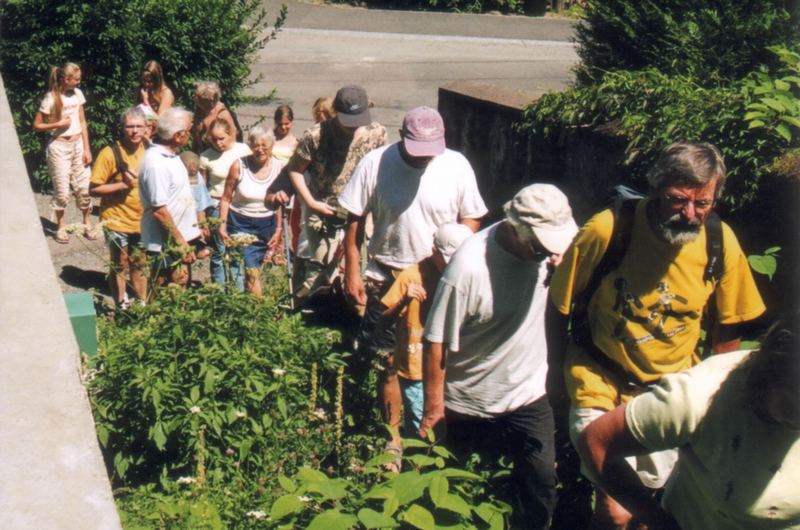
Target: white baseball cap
<point x="545" y="209"/>
<point x="449" y="237"/>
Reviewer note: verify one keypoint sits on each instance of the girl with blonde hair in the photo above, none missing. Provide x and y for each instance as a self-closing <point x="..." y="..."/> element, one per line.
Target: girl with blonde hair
<point x="153" y="91"/>
<point x="68" y="153"/>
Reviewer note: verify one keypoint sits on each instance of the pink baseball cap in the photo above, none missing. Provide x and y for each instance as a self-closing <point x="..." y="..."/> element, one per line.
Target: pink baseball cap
<point x="423" y="132"/>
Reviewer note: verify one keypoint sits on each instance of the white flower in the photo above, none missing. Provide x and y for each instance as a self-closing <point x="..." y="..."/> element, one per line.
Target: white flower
<point x="320" y="413"/>
<point x="304" y="498"/>
<point x="240" y="414"/>
<point x="195" y="410"/>
<point x="257" y="514"/>
<point x="242" y="240"/>
<point x="186" y="480"/>
<point x="278" y="371"/>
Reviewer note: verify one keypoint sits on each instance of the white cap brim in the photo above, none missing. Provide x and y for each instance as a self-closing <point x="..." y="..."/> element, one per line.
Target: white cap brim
<point x="556" y="239"/>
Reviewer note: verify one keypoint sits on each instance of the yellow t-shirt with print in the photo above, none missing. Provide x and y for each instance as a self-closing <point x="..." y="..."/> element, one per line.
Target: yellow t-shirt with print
<point x="646" y="314"/>
<point x="411" y="319"/>
<point x="122" y="211"/>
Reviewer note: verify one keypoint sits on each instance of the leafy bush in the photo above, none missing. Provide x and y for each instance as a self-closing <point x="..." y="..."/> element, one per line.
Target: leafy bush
<point x="651" y="109"/>
<point x="111" y="40"/>
<point x="460" y="6"/>
<point x="777" y="107"/>
<point x="710" y="41"/>
<point x="207" y="373"/>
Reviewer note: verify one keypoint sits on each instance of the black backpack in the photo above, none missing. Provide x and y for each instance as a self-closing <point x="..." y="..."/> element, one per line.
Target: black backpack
<point x="623" y="210"/>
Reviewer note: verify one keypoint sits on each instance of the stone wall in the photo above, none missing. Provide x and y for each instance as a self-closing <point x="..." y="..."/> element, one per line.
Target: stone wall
<point x="52" y="474"/>
<point x="480" y="122"/>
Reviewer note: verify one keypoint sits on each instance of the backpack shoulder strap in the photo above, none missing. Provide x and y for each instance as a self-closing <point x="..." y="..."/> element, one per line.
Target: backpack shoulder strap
<point x="714" y="248"/>
<point x="623" y="211"/>
<point x="122" y="167"/>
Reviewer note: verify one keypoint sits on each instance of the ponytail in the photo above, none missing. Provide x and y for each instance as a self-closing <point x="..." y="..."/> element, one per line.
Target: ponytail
<point x="55" y="81"/>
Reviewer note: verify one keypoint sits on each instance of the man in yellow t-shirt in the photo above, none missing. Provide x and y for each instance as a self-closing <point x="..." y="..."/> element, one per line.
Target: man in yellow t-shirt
<point x="644" y="317"/>
<point x="120" y="207"/>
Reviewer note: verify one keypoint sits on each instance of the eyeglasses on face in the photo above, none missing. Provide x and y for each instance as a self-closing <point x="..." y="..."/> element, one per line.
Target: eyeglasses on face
<point x="682" y="202"/>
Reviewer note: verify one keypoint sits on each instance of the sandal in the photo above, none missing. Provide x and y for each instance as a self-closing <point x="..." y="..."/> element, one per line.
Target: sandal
<point x="61" y="236"/>
<point x="89" y="234"/>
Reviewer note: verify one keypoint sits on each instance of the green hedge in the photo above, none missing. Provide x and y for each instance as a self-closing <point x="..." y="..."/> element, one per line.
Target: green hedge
<point x="714" y="42"/>
<point x="111" y="40"/>
<point x="651" y="110"/>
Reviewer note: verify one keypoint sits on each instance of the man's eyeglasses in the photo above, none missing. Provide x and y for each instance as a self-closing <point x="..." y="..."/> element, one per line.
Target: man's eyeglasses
<point x="683" y="202"/>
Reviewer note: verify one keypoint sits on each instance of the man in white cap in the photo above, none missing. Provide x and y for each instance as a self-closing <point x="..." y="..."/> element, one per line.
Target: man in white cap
<point x="485" y="354"/>
<point x="328" y="152"/>
<point x="411" y="188"/>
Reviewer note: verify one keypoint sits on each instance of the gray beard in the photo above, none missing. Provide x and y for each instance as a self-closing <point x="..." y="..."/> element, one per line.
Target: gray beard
<point x="677" y="232"/>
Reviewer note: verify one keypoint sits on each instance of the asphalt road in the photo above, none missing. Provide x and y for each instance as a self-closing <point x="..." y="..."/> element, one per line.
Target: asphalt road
<point x="402" y="58"/>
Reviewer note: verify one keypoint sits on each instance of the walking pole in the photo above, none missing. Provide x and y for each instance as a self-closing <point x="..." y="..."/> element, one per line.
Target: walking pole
<point x="287" y="250"/>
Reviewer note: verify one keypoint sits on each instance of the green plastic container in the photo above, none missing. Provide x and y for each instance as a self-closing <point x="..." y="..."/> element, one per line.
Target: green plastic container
<point x="80" y="307"/>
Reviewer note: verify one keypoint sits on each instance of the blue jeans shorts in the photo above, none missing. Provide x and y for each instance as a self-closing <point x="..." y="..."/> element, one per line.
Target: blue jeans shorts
<point x="120" y="240"/>
<point x="261" y="227"/>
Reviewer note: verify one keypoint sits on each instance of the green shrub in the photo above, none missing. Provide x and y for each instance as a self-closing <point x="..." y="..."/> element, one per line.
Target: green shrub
<point x="459" y="6"/>
<point x="710" y="41"/>
<point x="777" y="107"/>
<point x="212" y="375"/>
<point x="652" y="109"/>
<point x="111" y="40"/>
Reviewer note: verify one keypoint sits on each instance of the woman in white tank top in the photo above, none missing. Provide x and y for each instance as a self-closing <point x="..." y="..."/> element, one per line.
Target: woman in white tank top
<point x="243" y="211"/>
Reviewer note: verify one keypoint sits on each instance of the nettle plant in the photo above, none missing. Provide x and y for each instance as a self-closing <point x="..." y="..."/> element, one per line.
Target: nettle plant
<point x="212" y="377"/>
<point x="427" y="495"/>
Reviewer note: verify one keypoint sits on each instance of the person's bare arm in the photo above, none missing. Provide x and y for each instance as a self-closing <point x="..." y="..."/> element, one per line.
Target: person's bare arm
<point x="162" y="215"/>
<point x="87" y="148"/>
<point x="472" y="224"/>
<point x="40" y="123"/>
<point x="297" y="166"/>
<point x="725" y="338"/>
<point x="603" y="446"/>
<point x="110" y="188"/>
<point x="227" y="197"/>
<point x="433" y="374"/>
<point x="167" y="100"/>
<point x="353" y="284"/>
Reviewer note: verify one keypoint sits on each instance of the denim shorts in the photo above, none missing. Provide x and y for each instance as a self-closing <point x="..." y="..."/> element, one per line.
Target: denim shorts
<point x="121" y="240"/>
<point x="261" y="227"/>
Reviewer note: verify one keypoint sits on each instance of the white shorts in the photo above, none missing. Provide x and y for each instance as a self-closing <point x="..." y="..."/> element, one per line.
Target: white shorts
<point x="653" y="469"/>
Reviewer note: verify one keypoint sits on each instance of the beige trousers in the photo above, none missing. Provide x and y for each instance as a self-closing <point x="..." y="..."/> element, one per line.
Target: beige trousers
<point x="70" y="176"/>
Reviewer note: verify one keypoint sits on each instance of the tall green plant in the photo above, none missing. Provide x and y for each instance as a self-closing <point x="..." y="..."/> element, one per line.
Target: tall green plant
<point x="714" y="42"/>
<point x="111" y="40"/>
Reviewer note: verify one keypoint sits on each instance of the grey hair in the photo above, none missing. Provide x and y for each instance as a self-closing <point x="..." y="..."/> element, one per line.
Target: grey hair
<point x="134" y="113"/>
<point x="172" y="121"/>
<point x="259" y="132"/>
<point x="693" y="164"/>
<point x="209" y="89"/>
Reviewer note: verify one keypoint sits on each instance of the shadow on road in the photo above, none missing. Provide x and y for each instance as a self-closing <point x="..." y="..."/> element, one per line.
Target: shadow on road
<point x="83" y="279"/>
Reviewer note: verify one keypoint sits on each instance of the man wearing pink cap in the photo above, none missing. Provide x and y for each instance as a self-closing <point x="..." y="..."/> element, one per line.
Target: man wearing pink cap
<point x="411" y="188"/>
<point x="485" y="353"/>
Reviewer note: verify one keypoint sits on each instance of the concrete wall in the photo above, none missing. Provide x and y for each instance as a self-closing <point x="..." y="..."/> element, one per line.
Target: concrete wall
<point x="479" y="121"/>
<point x="51" y="471"/>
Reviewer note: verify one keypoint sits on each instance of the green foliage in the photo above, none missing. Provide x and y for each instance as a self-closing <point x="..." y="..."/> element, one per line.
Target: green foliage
<point x="428" y="494"/>
<point x="765" y="263"/>
<point x="777" y="107"/>
<point x="712" y="42"/>
<point x="202" y="372"/>
<point x="651" y="109"/>
<point x="111" y="40"/>
<point x="459" y="6"/>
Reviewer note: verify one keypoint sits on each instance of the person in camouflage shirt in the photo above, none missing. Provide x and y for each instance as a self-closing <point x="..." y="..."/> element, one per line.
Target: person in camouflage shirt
<point x="319" y="169"/>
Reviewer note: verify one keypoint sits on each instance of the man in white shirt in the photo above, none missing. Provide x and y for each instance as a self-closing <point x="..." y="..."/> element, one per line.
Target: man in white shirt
<point x="735" y="419"/>
<point x="169" y="219"/>
<point x="410" y="188"/>
<point x="485" y="354"/>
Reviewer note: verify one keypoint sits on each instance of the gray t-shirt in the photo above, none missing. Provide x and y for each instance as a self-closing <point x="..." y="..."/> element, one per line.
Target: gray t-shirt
<point x="488" y="311"/>
<point x="163" y="181"/>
